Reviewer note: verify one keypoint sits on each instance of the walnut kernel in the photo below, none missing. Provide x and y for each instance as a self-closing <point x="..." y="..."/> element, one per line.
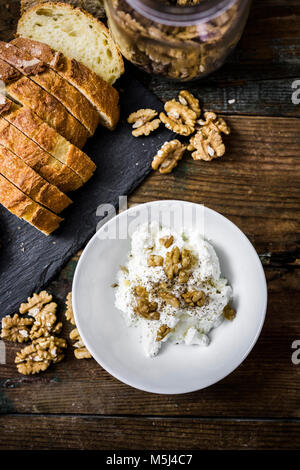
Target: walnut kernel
<point x="16" y="328"/>
<point x="168" y="156"/>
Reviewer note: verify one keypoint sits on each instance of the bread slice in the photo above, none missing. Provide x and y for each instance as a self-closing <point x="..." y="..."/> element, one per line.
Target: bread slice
<point x="48" y="108"/>
<point x="31" y="183"/>
<point x="75" y="33"/>
<point x="94" y="7"/>
<point x="76" y="103"/>
<point x="50" y="141"/>
<point x="42" y="162"/>
<point x="101" y="95"/>
<point x="25" y="208"/>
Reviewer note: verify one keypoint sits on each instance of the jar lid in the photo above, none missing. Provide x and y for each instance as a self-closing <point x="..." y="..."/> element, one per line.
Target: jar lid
<point x="180" y="15"/>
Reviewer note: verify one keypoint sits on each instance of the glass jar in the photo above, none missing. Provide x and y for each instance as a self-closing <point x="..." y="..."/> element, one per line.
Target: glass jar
<point x="178" y="42"/>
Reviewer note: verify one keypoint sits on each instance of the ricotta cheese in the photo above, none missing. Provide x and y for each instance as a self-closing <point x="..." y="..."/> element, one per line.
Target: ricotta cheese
<point x="188" y="324"/>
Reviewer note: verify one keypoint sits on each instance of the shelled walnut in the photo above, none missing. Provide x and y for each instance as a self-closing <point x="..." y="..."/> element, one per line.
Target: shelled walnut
<point x="213" y="123"/>
<point x="35" y="303"/>
<point x="187" y="99"/>
<point x="195" y="298"/>
<point x="207" y="143"/>
<point x="177" y="262"/>
<point x="44" y="321"/>
<point x="69" y="314"/>
<point x="16" y="328"/>
<point x="163" y="331"/>
<point x="177" y="52"/>
<point x="155" y="260"/>
<point x="166" y="241"/>
<point x="168" y="156"/>
<point x="40" y="329"/>
<point x="229" y="313"/>
<point x="179" y="118"/>
<point x="142" y="122"/>
<point x="80" y="351"/>
<point x="39" y="354"/>
<point x="169" y="298"/>
<point x="144" y="308"/>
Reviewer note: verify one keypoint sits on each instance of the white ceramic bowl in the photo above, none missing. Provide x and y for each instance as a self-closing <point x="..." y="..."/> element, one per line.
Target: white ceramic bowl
<point x="177" y="368"/>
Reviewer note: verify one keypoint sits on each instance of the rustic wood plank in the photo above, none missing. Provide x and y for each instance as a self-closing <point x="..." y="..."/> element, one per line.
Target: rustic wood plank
<point x="9" y="14"/>
<point x="266" y="385"/>
<point x="256" y="184"/>
<point x="260" y="72"/>
<point x="96" y="433"/>
<point x="258" y="75"/>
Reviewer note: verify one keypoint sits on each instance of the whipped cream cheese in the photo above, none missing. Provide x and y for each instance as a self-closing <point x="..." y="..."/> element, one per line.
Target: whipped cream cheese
<point x="188" y="324"/>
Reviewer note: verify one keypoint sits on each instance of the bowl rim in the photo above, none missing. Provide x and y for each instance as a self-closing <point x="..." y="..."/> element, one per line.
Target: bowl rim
<point x="120" y="376"/>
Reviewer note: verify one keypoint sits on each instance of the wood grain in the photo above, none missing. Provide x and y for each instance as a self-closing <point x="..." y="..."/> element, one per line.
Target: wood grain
<point x="259" y="73"/>
<point x="97" y="433"/>
<point x="78" y="405"/>
<point x="256" y="184"/>
<point x="266" y="385"/>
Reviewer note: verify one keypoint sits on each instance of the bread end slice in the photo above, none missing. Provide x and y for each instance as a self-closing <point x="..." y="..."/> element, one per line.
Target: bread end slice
<point x="75" y="33"/>
<point x="25" y="208"/>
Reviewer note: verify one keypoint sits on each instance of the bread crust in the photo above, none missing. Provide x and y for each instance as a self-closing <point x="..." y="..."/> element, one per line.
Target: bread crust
<point x="100" y="94"/>
<point x="8" y="73"/>
<point x="5" y="104"/>
<point x="31" y="183"/>
<point x="94" y="7"/>
<point x="53" y="143"/>
<point x="25" y="208"/>
<point x="71" y="9"/>
<point x="76" y="103"/>
<point x="42" y="162"/>
<point x="49" y="109"/>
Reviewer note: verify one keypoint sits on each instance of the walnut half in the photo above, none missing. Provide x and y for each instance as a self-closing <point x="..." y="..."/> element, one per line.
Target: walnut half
<point x="16" y="328"/>
<point x="178" y="118"/>
<point x="39" y="354"/>
<point x="142" y="122"/>
<point x="168" y="156"/>
<point x="144" y="308"/>
<point x="163" y="331"/>
<point x="207" y="143"/>
<point x="194" y="298"/>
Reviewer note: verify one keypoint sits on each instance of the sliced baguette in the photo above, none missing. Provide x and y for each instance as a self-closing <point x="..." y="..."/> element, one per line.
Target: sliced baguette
<point x="31" y="183"/>
<point x="76" y="103"/>
<point x="49" y="140"/>
<point x="101" y="95"/>
<point x="48" y="108"/>
<point x="94" y="7"/>
<point x="25" y="208"/>
<point x="75" y="33"/>
<point x="42" y="162"/>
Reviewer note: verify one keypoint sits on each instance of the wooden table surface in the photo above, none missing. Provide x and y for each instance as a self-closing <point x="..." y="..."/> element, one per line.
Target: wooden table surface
<point x="77" y="404"/>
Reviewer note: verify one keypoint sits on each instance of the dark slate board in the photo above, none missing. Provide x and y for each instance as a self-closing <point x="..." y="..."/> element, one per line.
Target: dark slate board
<point x="29" y="259"/>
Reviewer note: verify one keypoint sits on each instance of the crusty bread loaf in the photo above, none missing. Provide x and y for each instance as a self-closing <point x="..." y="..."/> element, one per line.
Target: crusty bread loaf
<point x="76" y="103"/>
<point x="94" y="7"/>
<point x="25" y="208"/>
<point x="75" y="33"/>
<point x="42" y="162"/>
<point x="31" y="183"/>
<point x="48" y="108"/>
<point x="49" y="140"/>
<point x="101" y="95"/>
<point x="8" y="73"/>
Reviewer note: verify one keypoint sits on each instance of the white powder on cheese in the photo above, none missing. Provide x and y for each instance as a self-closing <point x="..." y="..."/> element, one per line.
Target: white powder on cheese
<point x="188" y="324"/>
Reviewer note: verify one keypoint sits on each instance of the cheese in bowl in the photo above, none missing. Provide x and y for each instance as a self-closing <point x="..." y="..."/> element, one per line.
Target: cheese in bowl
<point x="172" y="287"/>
